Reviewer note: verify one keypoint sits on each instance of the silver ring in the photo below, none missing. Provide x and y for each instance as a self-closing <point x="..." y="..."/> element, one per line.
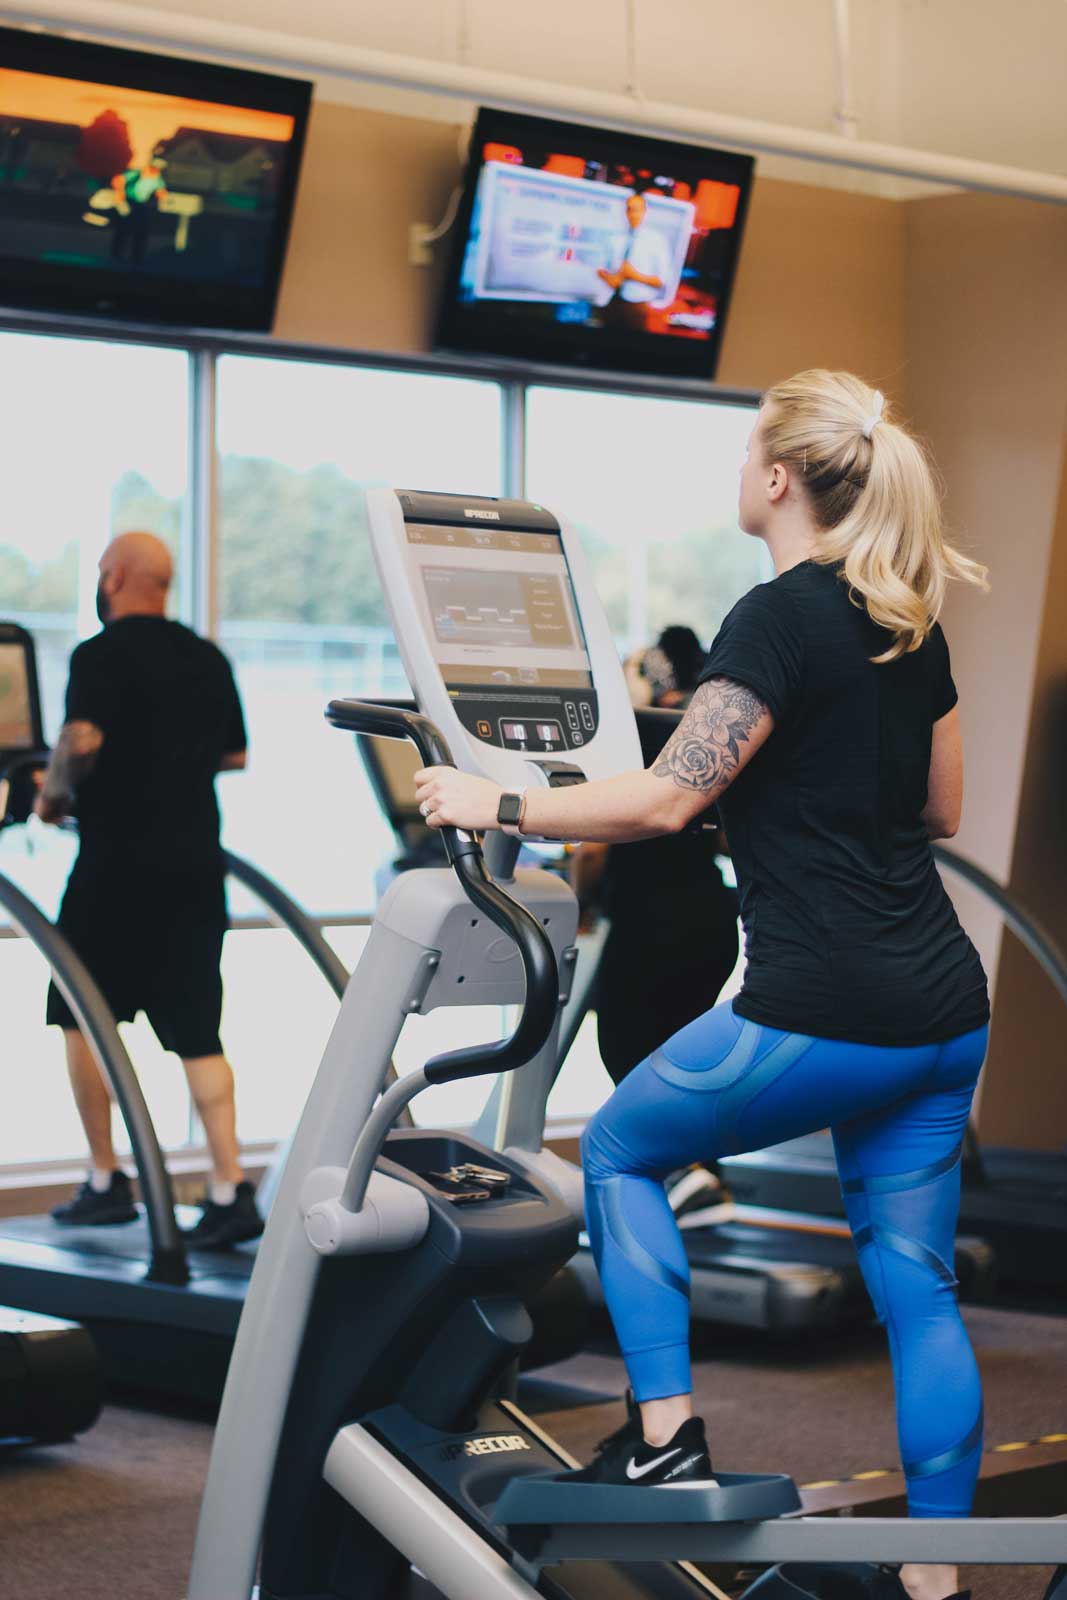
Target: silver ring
<point x="426" y="808"/>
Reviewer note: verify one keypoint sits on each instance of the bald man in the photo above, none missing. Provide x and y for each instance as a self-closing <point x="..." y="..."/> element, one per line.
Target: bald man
<point x="152" y="717"/>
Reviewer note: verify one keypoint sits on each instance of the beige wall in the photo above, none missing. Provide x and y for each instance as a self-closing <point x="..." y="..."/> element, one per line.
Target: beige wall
<point x="1025" y="1095"/>
<point x="820" y="278"/>
<point x="986" y="382"/>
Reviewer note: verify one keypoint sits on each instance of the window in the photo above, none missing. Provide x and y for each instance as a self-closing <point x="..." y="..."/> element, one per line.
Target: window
<point x="651" y="485"/>
<point x="95" y="443"/>
<point x="301" y="612"/>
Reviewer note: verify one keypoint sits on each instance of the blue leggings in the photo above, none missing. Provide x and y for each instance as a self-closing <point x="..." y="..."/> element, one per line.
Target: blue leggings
<point x="723" y="1085"/>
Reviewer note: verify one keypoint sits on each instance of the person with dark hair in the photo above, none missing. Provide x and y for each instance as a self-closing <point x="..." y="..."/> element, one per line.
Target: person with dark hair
<point x="672" y="942"/>
<point x="641" y="273"/>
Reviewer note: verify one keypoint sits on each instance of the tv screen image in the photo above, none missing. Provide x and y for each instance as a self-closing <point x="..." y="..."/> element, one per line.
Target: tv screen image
<point x="143" y="186"/>
<point x="583" y="246"/>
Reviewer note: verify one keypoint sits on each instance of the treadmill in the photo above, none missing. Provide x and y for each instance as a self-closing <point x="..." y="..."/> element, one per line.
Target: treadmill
<point x="1014" y="1199"/>
<point x="159" y="1318"/>
<point x="163" y="1319"/>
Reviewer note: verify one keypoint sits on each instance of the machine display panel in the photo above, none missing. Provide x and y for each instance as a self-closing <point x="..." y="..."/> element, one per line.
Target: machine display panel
<point x="499" y="607"/>
<point x="16" y="714"/>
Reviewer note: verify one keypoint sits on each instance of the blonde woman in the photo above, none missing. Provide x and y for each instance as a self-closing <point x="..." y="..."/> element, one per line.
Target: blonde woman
<point x="825" y="727"/>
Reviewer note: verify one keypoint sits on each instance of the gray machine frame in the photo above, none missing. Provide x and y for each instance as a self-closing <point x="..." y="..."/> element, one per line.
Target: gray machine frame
<point x="426" y="950"/>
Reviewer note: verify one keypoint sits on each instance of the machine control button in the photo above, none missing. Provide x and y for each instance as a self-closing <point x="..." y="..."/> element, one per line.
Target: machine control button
<point x="485" y="729"/>
<point x="587" y="716"/>
<point x="576" y="738"/>
<point x="572" y="714"/>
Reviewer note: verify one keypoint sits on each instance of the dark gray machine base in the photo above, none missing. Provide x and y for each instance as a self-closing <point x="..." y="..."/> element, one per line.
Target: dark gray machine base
<point x="531" y="1504"/>
<point x="49" y="1378"/>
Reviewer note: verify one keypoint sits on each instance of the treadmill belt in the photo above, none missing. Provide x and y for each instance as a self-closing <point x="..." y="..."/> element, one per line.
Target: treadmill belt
<point x="127" y="1242"/>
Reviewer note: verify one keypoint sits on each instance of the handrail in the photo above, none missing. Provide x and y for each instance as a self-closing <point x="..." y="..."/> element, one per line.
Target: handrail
<point x="465" y="856"/>
<point x="1041" y="944"/>
<point x="293" y="918"/>
<point x="167" y="1262"/>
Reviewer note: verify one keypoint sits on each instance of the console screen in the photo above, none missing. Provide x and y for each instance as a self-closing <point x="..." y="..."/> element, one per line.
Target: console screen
<point x="498" y="606"/>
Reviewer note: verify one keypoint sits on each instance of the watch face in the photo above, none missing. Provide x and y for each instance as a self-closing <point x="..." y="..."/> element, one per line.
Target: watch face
<point x="510" y="809"/>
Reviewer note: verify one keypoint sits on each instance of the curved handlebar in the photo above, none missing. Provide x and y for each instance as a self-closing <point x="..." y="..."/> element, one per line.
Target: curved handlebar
<point x="542" y="981"/>
<point x="1026" y="928"/>
<point x="465" y="857"/>
<point x="392" y="722"/>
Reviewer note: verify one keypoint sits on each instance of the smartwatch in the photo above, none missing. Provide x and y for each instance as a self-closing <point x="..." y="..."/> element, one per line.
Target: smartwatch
<point x="510" y="810"/>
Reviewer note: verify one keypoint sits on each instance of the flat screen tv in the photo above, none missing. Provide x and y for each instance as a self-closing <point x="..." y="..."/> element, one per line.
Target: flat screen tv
<point x="589" y="248"/>
<point x="143" y="187"/>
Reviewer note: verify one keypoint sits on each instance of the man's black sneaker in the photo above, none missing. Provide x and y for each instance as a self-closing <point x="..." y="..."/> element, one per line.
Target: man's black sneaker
<point x="627" y="1458"/>
<point x="222" y="1226"/>
<point x="92" y="1208"/>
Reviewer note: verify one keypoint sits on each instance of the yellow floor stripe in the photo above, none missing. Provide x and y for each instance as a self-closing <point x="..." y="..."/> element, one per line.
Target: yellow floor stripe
<point x="890" y="1472"/>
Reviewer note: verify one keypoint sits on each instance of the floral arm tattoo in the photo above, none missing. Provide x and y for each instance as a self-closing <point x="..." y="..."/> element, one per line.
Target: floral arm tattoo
<point x="705" y="751"/>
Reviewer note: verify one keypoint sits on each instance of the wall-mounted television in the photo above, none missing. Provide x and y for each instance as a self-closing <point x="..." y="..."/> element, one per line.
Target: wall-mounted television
<point x="143" y="187"/>
<point x="581" y="246"/>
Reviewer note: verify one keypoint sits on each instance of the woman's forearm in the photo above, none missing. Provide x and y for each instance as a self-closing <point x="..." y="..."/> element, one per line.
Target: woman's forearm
<point x="635" y="805"/>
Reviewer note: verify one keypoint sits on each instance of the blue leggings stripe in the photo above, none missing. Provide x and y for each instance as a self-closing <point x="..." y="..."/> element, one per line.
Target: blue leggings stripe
<point x="898" y="1116"/>
<point x="893" y="1182"/>
<point x="950" y="1458"/>
<point x="735" y="1101"/>
<point x="737" y="1060"/>
<point x="623" y="1236"/>
<point x="904" y="1245"/>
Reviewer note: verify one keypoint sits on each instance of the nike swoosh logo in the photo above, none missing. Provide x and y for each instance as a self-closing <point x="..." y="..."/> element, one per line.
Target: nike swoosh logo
<point x="634" y="1472"/>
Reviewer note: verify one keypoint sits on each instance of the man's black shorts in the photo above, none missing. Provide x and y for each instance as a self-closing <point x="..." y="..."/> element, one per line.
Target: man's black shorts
<point x="153" y="942"/>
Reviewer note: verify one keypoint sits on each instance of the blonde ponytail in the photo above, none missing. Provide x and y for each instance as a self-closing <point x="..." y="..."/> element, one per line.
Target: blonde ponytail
<point x="874" y="497"/>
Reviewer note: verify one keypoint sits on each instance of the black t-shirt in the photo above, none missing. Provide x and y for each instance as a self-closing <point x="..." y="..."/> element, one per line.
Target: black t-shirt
<point x="168" y="707"/>
<point x="849" y="933"/>
<point x="667" y="892"/>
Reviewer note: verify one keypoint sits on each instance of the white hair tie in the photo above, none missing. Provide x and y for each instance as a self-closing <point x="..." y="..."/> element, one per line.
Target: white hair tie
<point x="876" y="415"/>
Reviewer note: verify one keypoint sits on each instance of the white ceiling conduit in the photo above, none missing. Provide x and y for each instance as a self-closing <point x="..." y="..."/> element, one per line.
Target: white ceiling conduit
<point x="285" y="52"/>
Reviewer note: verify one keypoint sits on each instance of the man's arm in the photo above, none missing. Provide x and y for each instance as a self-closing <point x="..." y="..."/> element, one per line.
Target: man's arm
<point x="642" y="277"/>
<point x="234" y="761"/>
<point x="73" y="758"/>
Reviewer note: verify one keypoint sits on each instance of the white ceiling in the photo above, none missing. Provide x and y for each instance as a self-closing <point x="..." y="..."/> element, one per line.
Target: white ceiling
<point x="974" y="78"/>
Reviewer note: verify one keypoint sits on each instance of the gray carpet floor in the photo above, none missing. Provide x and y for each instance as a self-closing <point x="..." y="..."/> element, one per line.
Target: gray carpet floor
<point x="112" y="1516"/>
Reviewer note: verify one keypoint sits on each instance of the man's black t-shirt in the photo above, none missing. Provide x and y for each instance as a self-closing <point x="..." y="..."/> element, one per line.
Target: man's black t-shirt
<point x="168" y="707"/>
<point x="849" y="933"/>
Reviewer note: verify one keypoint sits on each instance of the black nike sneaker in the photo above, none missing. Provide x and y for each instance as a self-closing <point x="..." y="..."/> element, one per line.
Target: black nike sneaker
<point x="221" y="1227"/>
<point x="94" y="1208"/>
<point x="626" y="1438"/>
<point x="627" y="1458"/>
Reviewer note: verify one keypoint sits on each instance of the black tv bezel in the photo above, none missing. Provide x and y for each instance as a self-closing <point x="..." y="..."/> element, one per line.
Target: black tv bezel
<point x="169" y="302"/>
<point x="459" y="332"/>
